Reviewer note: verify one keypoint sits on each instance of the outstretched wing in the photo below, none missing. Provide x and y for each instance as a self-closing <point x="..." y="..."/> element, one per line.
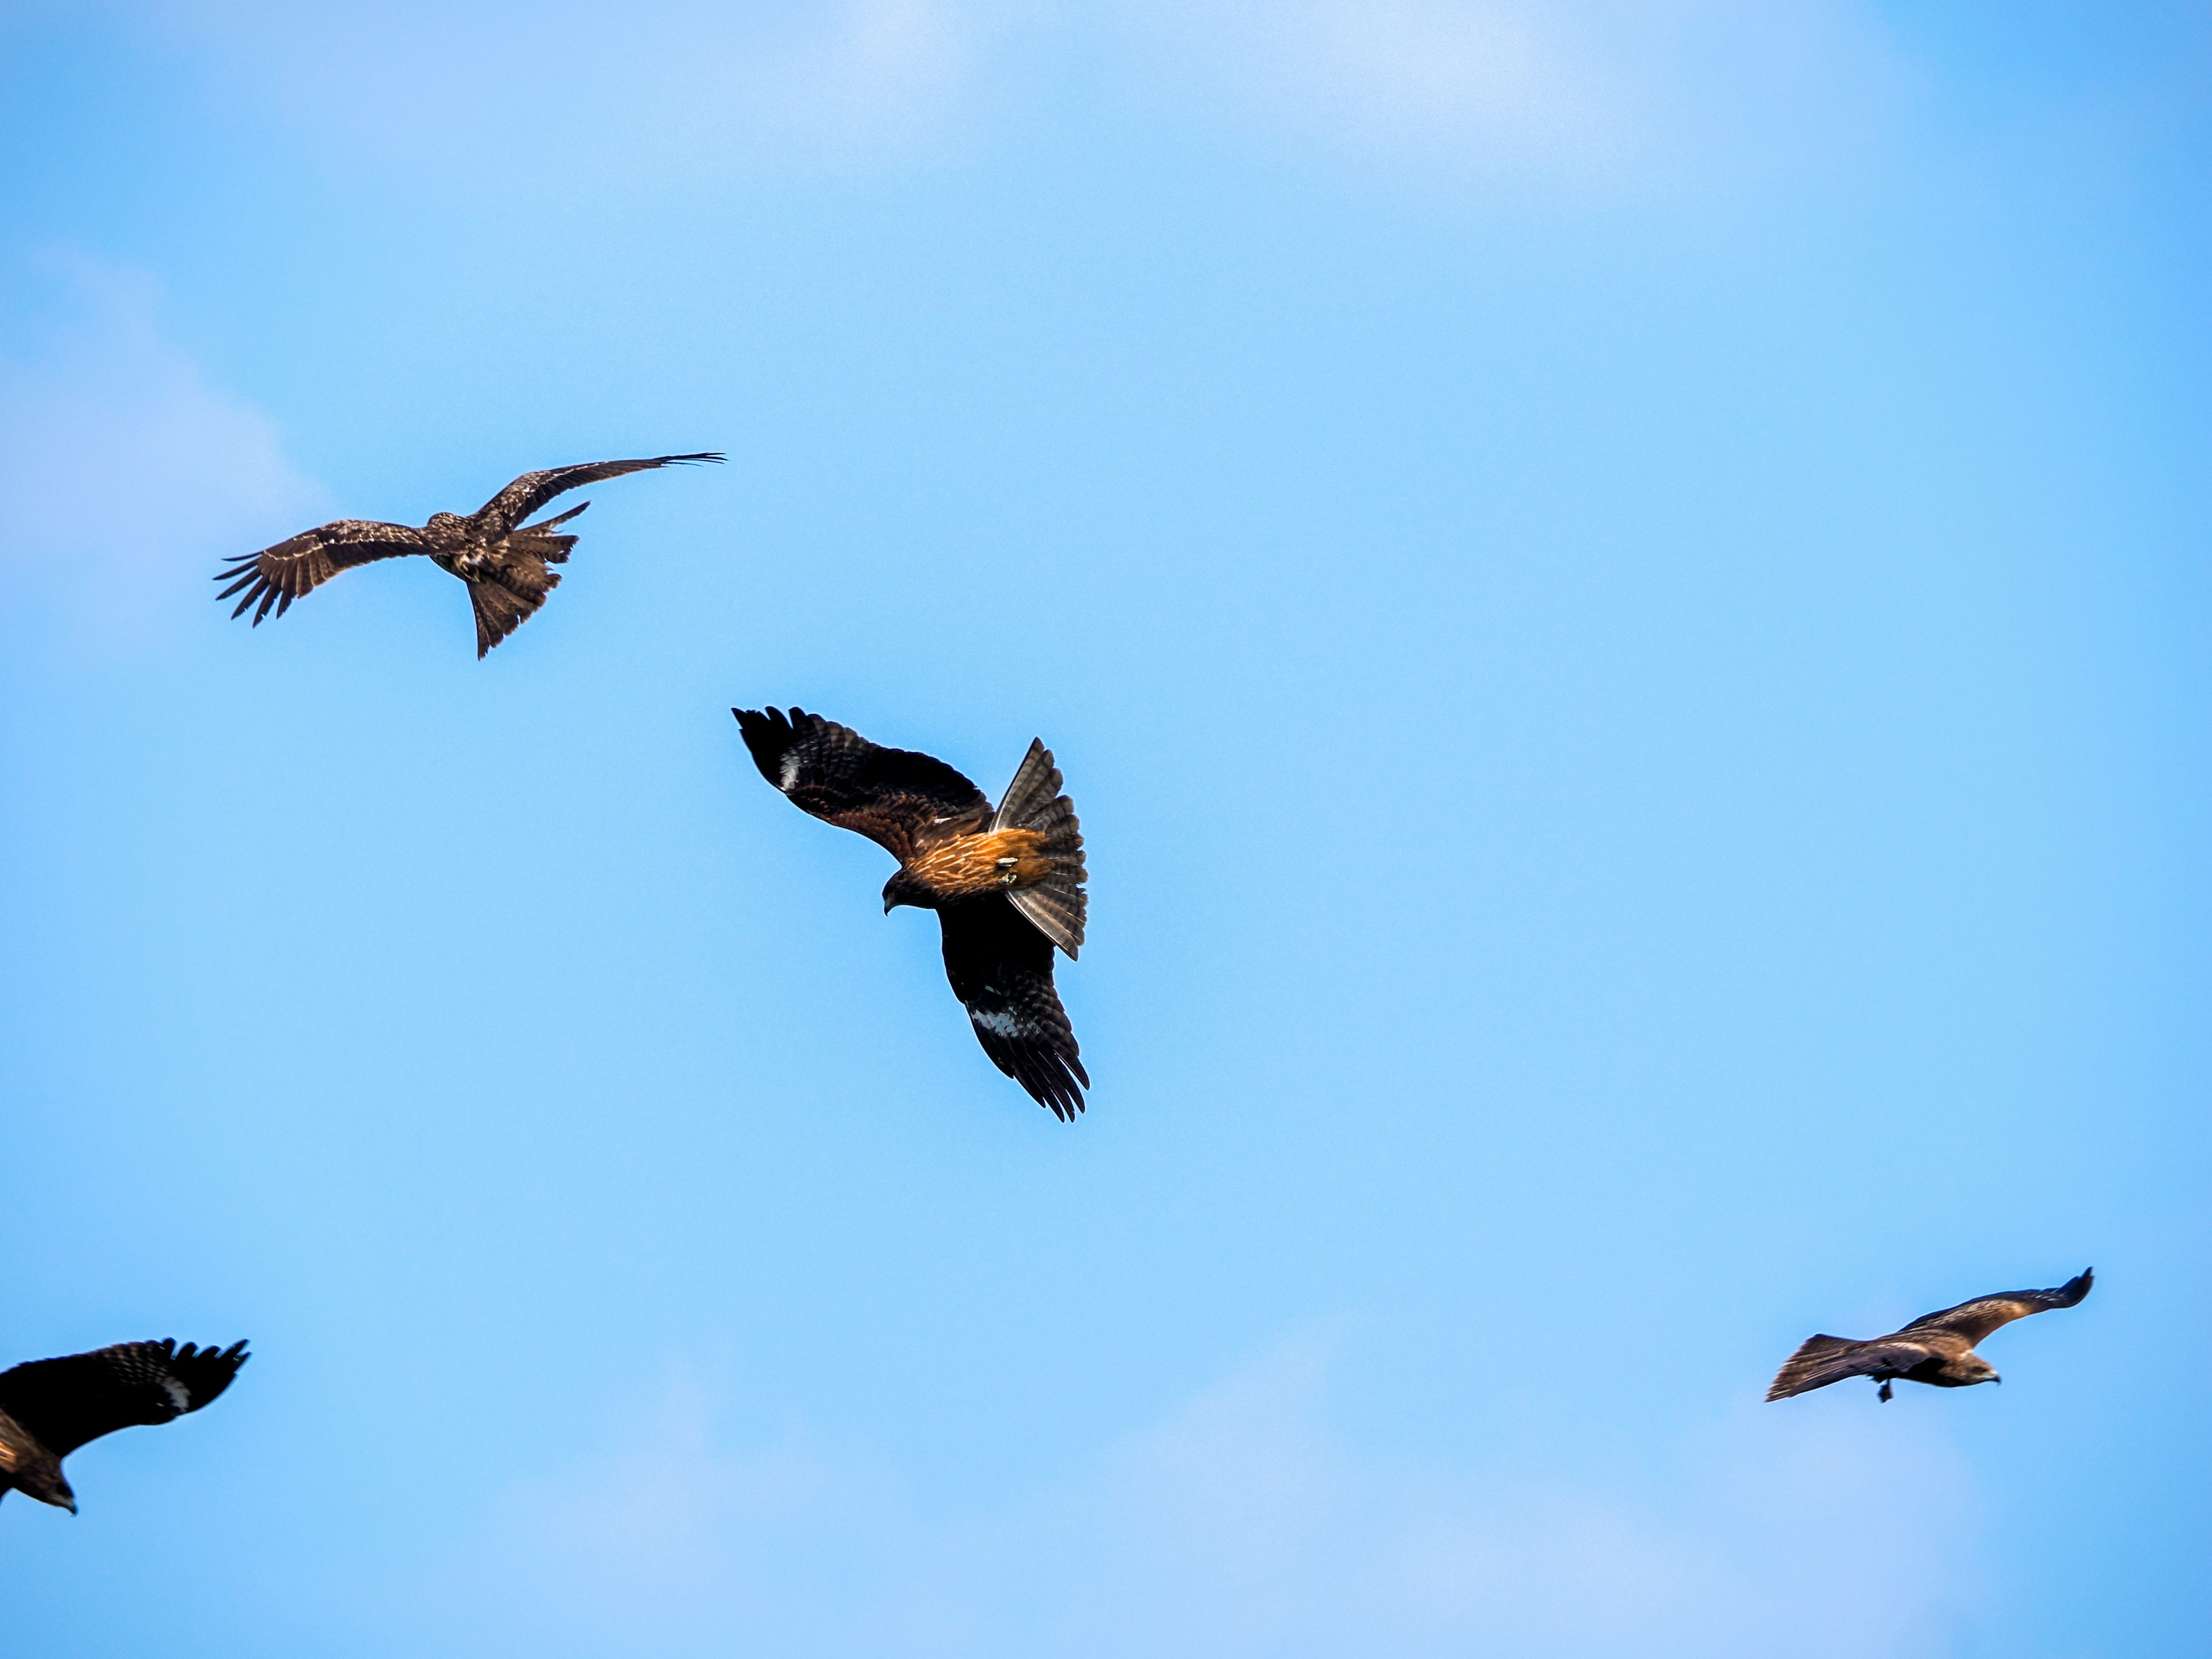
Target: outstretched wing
<point x="1000" y="967"/>
<point x="277" y="575"/>
<point x="1975" y="1320"/>
<point x="508" y="509"/>
<point x="66" y="1402"/>
<point x="894" y="797"/>
<point x="1820" y="1360"/>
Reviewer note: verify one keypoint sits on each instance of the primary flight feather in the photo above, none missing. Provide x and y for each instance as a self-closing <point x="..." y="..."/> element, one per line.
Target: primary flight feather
<point x="1007" y="883"/>
<point x="49" y="1407"/>
<point x="503" y="560"/>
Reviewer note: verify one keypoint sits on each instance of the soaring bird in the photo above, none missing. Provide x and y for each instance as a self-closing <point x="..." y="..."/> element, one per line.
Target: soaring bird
<point x="501" y="559"/>
<point x="1936" y="1348"/>
<point x="1007" y="885"/>
<point x="49" y="1407"/>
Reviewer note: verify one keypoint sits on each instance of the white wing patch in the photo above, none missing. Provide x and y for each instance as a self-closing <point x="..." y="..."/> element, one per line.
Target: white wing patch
<point x="790" y="765"/>
<point x="179" y="1395"/>
<point x="997" y="1022"/>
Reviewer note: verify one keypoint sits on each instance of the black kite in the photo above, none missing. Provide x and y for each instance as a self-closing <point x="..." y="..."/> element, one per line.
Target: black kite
<point x="501" y="559"/>
<point x="1007" y="885"/>
<point x="1936" y="1348"/>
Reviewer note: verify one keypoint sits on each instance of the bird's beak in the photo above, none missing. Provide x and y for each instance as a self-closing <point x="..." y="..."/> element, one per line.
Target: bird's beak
<point x="1996" y="1379"/>
<point x="889" y="905"/>
<point x="70" y="1504"/>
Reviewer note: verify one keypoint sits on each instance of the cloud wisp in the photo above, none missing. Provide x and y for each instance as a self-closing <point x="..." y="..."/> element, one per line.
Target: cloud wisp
<point x="585" y="97"/>
<point x="1240" y="1524"/>
<point x="1620" y="94"/>
<point x="1566" y="94"/>
<point x="123" y="474"/>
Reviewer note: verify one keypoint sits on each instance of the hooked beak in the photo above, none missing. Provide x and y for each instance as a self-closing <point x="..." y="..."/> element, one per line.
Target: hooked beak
<point x="1996" y="1379"/>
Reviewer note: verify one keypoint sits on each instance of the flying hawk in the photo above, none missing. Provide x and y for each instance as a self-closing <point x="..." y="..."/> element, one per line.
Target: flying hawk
<point x="501" y="559"/>
<point x="1006" y="886"/>
<point x="49" y="1407"/>
<point x="1936" y="1348"/>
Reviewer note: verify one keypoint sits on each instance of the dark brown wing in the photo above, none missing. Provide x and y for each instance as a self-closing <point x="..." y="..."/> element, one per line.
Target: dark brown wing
<point x="66" y="1402"/>
<point x="1000" y="967"/>
<point x="277" y="575"/>
<point x="508" y="595"/>
<point x="895" y="797"/>
<point x="1820" y="1360"/>
<point x="504" y="511"/>
<point x="1975" y="1320"/>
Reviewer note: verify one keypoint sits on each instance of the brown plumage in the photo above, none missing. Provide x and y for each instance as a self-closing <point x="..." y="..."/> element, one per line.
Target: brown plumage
<point x="49" y="1407"/>
<point x="1936" y="1348"/>
<point x="503" y="560"/>
<point x="1007" y="884"/>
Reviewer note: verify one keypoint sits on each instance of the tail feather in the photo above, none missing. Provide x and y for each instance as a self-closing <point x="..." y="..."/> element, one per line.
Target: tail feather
<point x="553" y="549"/>
<point x="1812" y="1366"/>
<point x="529" y="583"/>
<point x="502" y="606"/>
<point x="1036" y="786"/>
<point x="1057" y="905"/>
<point x="539" y="539"/>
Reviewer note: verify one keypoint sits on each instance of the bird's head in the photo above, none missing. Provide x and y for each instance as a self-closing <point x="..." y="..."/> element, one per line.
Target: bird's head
<point x="447" y="523"/>
<point x="42" y="1479"/>
<point x="1978" y="1370"/>
<point x="903" y="889"/>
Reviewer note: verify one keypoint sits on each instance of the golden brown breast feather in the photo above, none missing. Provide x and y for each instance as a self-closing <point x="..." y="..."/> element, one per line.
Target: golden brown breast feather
<point x="961" y="866"/>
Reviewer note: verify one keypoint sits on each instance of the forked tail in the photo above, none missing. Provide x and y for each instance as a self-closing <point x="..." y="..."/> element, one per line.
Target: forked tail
<point x="1033" y="801"/>
<point x="539" y="540"/>
<point x="1819" y="1361"/>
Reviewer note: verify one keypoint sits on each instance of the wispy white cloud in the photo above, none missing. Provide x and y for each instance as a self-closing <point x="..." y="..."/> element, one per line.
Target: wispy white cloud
<point x="590" y="96"/>
<point x="1630" y="92"/>
<point x="123" y="474"/>
<point x="1619" y="92"/>
<point x="1241" y="1525"/>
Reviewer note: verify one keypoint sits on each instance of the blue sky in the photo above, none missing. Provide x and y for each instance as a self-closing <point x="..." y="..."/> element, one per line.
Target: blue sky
<point x="1621" y="588"/>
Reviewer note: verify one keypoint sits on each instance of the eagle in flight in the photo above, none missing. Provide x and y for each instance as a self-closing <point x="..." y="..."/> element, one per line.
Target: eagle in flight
<point x="1007" y="885"/>
<point x="1936" y="1348"/>
<point x="49" y="1407"/>
<point x="502" y="559"/>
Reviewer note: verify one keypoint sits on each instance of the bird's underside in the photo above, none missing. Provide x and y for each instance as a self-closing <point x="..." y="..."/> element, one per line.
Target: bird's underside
<point x="1007" y="883"/>
<point x="505" y="560"/>
<point x="1936" y="1348"/>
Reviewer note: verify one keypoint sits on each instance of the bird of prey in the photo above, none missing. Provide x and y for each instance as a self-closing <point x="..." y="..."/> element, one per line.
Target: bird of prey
<point x="49" y="1407"/>
<point x="1007" y="885"/>
<point x="502" y="559"/>
<point x="1936" y="1348"/>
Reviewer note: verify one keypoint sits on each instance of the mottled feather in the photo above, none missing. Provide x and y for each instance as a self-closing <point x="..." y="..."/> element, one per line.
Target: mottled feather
<point x="499" y="515"/>
<point x="277" y="575"/>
